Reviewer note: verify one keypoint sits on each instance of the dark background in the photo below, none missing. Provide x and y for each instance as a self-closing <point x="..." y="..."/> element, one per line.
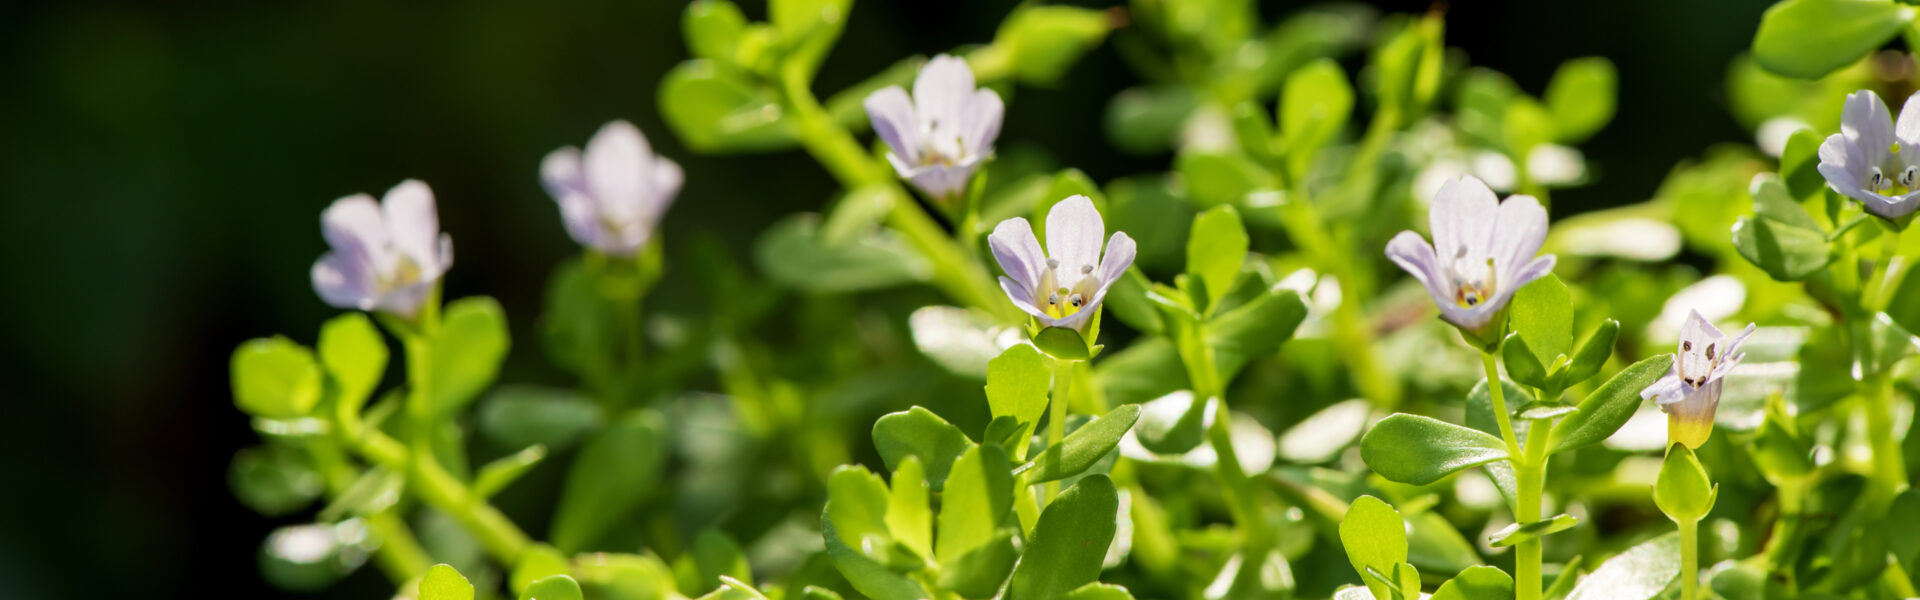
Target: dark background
<point x="165" y="163"/>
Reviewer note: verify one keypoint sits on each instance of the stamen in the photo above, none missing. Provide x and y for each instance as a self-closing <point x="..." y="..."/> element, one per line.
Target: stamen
<point x="1053" y="263"/>
<point x="1077" y="301"/>
<point x="1086" y="269"/>
<point x="1709" y="351"/>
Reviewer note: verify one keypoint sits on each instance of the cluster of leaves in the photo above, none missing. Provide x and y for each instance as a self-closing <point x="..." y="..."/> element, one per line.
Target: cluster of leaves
<point x="1259" y="302"/>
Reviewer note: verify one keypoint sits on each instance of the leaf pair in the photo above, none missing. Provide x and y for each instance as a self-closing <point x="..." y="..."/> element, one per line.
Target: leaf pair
<point x="1375" y="538"/>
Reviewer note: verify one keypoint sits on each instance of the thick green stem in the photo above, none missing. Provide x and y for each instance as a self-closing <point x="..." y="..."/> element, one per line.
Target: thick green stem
<point x="1057" y="414"/>
<point x="400" y="555"/>
<point x="1689" y="559"/>
<point x="1530" y="477"/>
<point x="1500" y="416"/>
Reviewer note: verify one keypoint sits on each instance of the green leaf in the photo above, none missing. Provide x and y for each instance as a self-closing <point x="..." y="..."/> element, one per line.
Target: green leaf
<point x="1640" y="573"/>
<point x="275" y="378"/>
<point x="1375" y="538"/>
<point x="908" y="518"/>
<point x="375" y="490"/>
<point x="733" y="589"/>
<point x="1254" y="329"/>
<point x="537" y="563"/>
<point x="1609" y="407"/>
<point x="1522" y="365"/>
<point x="1314" y="106"/>
<point x="870" y="578"/>
<point x="1099" y="591"/>
<point x="1045" y="41"/>
<point x="555" y="587"/>
<point x="716" y="108"/>
<point x="713" y="29"/>
<point x="1479" y="582"/>
<point x="1563" y="583"/>
<point x="1421" y="450"/>
<point x="980" y="572"/>
<point x="978" y="494"/>
<point x="1780" y="456"/>
<point x="1069" y="542"/>
<point x="497" y="475"/>
<point x="1146" y="120"/>
<point x="1174" y="423"/>
<point x="613" y="473"/>
<point x="797" y="19"/>
<point x="1782" y="250"/>
<point x="1527" y="125"/>
<point x="1062" y="343"/>
<point x="1017" y="383"/>
<point x="919" y="433"/>
<point x="1542" y="312"/>
<point x="355" y="357"/>
<point x="1592" y="355"/>
<point x="1544" y="410"/>
<point x="1772" y="201"/>
<point x="577" y="325"/>
<point x="443" y="582"/>
<point x="517" y="416"/>
<point x="857" y="507"/>
<point x="1808" y="39"/>
<point x="274" y="480"/>
<point x="1516" y="534"/>
<point x="467" y="352"/>
<point x="1581" y="98"/>
<point x="1127" y="301"/>
<point x="1683" y="490"/>
<point x="1215" y="250"/>
<point x="1084" y="446"/>
<point x="794" y="253"/>
<point x="1800" y="164"/>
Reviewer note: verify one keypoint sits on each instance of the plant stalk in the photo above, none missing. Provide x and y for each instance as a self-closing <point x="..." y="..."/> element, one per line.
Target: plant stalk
<point x="1057" y="414"/>
<point x="1689" y="559"/>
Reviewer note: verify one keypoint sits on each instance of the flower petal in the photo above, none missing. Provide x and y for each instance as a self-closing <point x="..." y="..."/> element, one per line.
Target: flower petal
<point x="561" y="173"/>
<point x="357" y="232"/>
<point x="980" y="122"/>
<point x="1074" y="230"/>
<point x="1865" y="123"/>
<point x="1021" y="298"/>
<point x="1019" y="255"/>
<point x="1733" y="353"/>
<point x="1520" y="226"/>
<point x="340" y="284"/>
<point x="1462" y="219"/>
<point x="1668" y="388"/>
<point x="941" y="88"/>
<point x="1907" y="128"/>
<point x="1413" y="254"/>
<point x="1120" y="252"/>
<point x="665" y="179"/>
<point x="413" y="223"/>
<point x="940" y="181"/>
<point x="615" y="165"/>
<point x="895" y="122"/>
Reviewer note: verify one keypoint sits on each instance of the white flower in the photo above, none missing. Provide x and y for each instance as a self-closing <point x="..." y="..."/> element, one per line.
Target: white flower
<point x="611" y="197"/>
<point x="1690" y="391"/>
<point x="386" y="256"/>
<point x="1872" y="160"/>
<point x="1483" y="251"/>
<point x="1063" y="286"/>
<point x="939" y="136"/>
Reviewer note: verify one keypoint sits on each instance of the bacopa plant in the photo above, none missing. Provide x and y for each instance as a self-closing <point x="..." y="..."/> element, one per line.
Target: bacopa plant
<point x="976" y="374"/>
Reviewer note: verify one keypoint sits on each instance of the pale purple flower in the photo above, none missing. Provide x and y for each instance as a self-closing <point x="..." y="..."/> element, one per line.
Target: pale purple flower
<point x="1482" y="252"/>
<point x="1873" y="160"/>
<point x="1064" y="285"/>
<point x="611" y="196"/>
<point x="939" y="136"/>
<point x="1690" y="391"/>
<point x="386" y="256"/>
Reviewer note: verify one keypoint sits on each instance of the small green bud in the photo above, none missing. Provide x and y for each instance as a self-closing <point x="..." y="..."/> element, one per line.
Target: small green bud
<point x="1683" y="491"/>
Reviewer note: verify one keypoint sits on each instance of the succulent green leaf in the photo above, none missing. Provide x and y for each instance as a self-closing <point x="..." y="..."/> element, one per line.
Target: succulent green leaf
<point x="1592" y="355"/>
<point x="1063" y="344"/>
<point x="517" y="416"/>
<point x="1542" y="312"/>
<point x="978" y="494"/>
<point x="1315" y="103"/>
<point x="908" y="518"/>
<point x="1640" y="573"/>
<point x="443" y="582"/>
<point x="1216" y="248"/>
<point x="497" y="475"/>
<point x="1516" y="534"/>
<point x="613" y="473"/>
<point x="554" y="587"/>
<point x="1084" y="446"/>
<point x="354" y="355"/>
<point x="467" y="352"/>
<point x="1421" y="450"/>
<point x="1785" y="252"/>
<point x="1522" y="365"/>
<point x="1808" y="39"/>
<point x="980" y="572"/>
<point x="275" y="378"/>
<point x="1069" y="542"/>
<point x="1479" y="582"/>
<point x="1609" y="407"/>
<point x="919" y="433"/>
<point x="1017" y="383"/>
<point x="1581" y="98"/>
<point x="1375" y="538"/>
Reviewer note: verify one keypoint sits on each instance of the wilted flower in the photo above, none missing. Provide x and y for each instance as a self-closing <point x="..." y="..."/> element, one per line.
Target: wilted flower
<point x="386" y="256"/>
<point x="1063" y="286"/>
<point x="1871" y="159"/>
<point x="611" y="196"/>
<point x="1482" y="251"/>
<point x="1690" y="391"/>
<point x="940" y="135"/>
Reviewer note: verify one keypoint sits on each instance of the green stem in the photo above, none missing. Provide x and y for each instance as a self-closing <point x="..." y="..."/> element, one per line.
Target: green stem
<point x="1057" y="417"/>
<point x="400" y="555"/>
<point x="1255" y="538"/>
<point x="1689" y="559"/>
<point x="1500" y="416"/>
